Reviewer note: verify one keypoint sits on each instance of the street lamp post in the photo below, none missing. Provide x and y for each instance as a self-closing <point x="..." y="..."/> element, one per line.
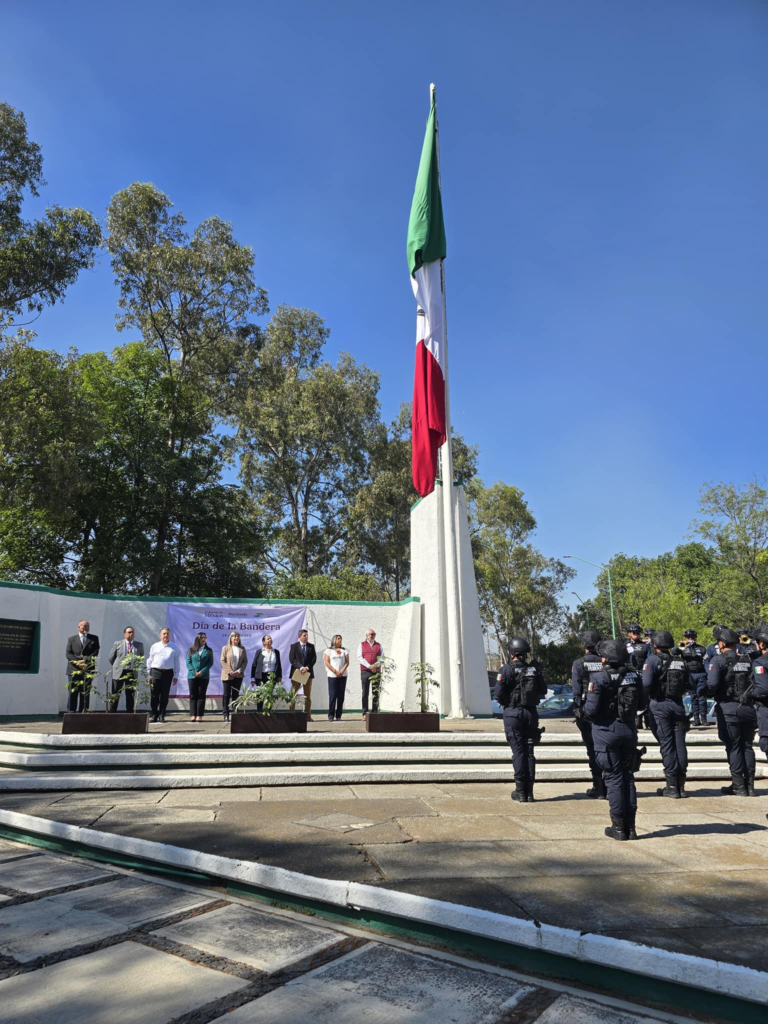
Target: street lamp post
<point x="600" y="565"/>
<point x="583" y="605"/>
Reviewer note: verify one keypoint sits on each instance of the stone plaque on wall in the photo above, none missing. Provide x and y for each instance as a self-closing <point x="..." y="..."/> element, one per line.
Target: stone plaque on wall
<point x="17" y="643"/>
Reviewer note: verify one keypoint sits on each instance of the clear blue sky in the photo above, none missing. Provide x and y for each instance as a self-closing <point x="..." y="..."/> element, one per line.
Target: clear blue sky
<point x="605" y="178"/>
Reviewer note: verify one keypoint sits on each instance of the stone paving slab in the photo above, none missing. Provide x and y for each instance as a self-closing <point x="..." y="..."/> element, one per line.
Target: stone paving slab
<point x="54" y="923"/>
<point x="600" y="903"/>
<point x="444" y="860"/>
<point x="38" y="874"/>
<point x="124" y="983"/>
<point x="382" y="985"/>
<point x="265" y="941"/>
<point x="155" y="814"/>
<point x="474" y="828"/>
<point x="12" y="850"/>
<point x="329" y="794"/>
<point x="569" y="1010"/>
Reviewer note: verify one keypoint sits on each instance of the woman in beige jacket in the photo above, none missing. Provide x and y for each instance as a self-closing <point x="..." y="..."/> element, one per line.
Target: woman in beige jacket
<point x="234" y="659"/>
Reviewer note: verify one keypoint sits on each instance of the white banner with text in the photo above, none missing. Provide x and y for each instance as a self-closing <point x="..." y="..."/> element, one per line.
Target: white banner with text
<point x="252" y="622"/>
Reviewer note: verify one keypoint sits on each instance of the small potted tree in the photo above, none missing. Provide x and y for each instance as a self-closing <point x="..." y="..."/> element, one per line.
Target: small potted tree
<point x="254" y="710"/>
<point x="107" y="722"/>
<point x="426" y="719"/>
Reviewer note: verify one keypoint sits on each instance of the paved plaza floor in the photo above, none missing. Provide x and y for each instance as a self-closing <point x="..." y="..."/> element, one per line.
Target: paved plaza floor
<point x="695" y="881"/>
<point x="81" y="942"/>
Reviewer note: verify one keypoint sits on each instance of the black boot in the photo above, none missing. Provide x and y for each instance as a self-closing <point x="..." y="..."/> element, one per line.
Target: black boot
<point x="597" y="790"/>
<point x="738" y="787"/>
<point x="631" y="818"/>
<point x="696" y="720"/>
<point x="616" y="830"/>
<point x="670" y="789"/>
<point x="681" y="784"/>
<point x="529" y="793"/>
<point x="751" y="791"/>
<point x="520" y="794"/>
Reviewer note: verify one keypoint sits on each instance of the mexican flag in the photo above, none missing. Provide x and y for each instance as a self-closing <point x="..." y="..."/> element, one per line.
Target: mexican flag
<point x="426" y="252"/>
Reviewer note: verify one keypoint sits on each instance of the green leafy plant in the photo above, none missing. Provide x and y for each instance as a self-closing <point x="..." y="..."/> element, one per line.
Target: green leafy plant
<point x="270" y="695"/>
<point x="381" y="679"/>
<point x="425" y="683"/>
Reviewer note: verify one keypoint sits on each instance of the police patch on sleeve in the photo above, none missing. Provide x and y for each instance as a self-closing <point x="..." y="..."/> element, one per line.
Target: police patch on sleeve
<point x="759" y="669"/>
<point x="591" y="687"/>
<point x="498" y="678"/>
<point x="645" y="666"/>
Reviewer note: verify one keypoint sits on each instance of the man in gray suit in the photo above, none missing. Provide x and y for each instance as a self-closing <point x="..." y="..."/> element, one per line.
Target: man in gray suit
<point x="125" y="657"/>
<point x="81" y="653"/>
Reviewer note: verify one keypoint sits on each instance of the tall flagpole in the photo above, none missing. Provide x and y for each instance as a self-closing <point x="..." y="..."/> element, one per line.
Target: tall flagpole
<point x="451" y="568"/>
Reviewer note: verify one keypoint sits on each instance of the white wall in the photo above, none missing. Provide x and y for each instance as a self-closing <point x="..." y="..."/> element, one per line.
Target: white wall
<point x="44" y="693"/>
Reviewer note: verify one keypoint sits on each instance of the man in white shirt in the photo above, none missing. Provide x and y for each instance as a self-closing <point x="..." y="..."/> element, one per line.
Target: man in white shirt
<point x="369" y="655"/>
<point x="163" y="665"/>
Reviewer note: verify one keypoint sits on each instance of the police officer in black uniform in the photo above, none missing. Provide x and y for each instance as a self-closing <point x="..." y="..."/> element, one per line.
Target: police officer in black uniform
<point x="693" y="655"/>
<point x="519" y="688"/>
<point x="729" y="681"/>
<point x="712" y="650"/>
<point x="614" y="698"/>
<point x="759" y="695"/>
<point x="638" y="651"/>
<point x="581" y="673"/>
<point x="665" y="680"/>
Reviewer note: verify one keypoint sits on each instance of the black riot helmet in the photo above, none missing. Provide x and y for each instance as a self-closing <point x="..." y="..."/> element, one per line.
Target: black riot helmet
<point x="726" y="636"/>
<point x="634" y="627"/>
<point x="649" y="633"/>
<point x="590" y="637"/>
<point x="691" y="633"/>
<point x="761" y="633"/>
<point x="661" y="638"/>
<point x="614" y="652"/>
<point x="518" y="645"/>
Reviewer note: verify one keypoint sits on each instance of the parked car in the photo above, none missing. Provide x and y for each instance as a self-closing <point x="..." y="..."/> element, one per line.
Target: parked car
<point x="552" y="700"/>
<point x="711" y="717"/>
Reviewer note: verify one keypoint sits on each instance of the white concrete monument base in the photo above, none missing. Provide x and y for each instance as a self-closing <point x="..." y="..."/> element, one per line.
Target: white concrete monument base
<point x="428" y="580"/>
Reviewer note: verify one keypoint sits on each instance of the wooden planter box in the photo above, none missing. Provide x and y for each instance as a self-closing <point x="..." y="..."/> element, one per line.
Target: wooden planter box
<point x="278" y="721"/>
<point x="102" y="723"/>
<point x="402" y="721"/>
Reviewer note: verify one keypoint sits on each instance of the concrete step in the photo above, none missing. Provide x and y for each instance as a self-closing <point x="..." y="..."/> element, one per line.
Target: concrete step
<point x="157" y="739"/>
<point x="83" y="760"/>
<point x="307" y="775"/>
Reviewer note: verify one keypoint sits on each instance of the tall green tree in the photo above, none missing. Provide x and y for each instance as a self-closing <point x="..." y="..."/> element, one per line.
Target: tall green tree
<point x="39" y="259"/>
<point x="306" y="429"/>
<point x="518" y="586"/>
<point x="193" y="297"/>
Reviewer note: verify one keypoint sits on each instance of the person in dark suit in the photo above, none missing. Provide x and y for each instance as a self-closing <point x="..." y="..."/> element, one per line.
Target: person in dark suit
<point x="303" y="657"/>
<point x="125" y="657"/>
<point x="82" y="651"/>
<point x="266" y="663"/>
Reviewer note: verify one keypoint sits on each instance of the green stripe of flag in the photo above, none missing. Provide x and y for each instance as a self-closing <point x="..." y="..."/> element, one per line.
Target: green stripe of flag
<point x="426" y="230"/>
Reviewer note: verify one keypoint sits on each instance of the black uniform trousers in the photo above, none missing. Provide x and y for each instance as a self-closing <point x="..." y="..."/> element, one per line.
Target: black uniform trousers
<point x="365" y="679"/>
<point x="585" y="728"/>
<point x="615" y="747"/>
<point x="337" y="688"/>
<point x="699" y="694"/>
<point x="521" y="727"/>
<point x="736" y="726"/>
<point x="130" y="693"/>
<point x="161" y="681"/>
<point x="671" y="726"/>
<point x="231" y="686"/>
<point x="762" y="726"/>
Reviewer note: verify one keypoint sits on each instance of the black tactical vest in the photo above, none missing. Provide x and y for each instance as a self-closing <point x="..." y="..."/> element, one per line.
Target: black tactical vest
<point x="693" y="656"/>
<point x="670" y="684"/>
<point x="738" y="678"/>
<point x="624" y="700"/>
<point x="637" y="655"/>
<point x="525" y="690"/>
<point x="590" y="663"/>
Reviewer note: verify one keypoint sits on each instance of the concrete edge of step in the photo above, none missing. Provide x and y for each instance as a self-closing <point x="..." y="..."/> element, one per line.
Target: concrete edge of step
<point x="318" y="739"/>
<point x="690" y="972"/>
<point x="194" y="779"/>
